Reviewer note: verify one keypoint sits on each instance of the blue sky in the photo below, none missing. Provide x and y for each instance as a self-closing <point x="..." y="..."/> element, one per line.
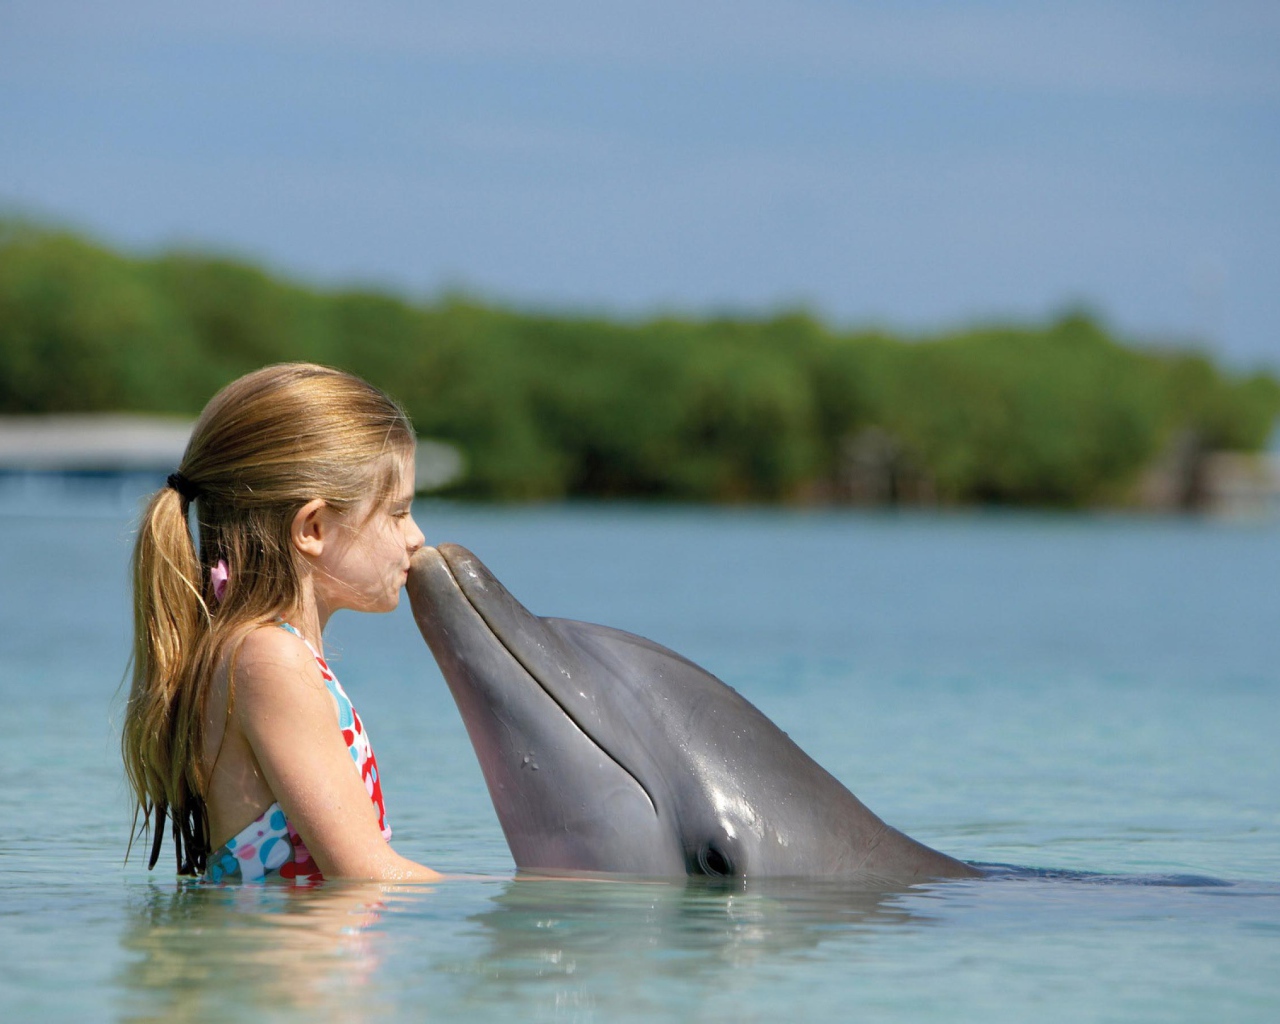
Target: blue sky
<point x="916" y="165"/>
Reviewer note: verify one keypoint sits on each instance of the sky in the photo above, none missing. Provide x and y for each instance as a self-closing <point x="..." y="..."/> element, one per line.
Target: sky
<point x="906" y="164"/>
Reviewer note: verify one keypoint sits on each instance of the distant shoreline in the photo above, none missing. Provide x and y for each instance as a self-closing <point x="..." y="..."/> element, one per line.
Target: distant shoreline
<point x="782" y="409"/>
<point x="78" y="442"/>
<point x="132" y="443"/>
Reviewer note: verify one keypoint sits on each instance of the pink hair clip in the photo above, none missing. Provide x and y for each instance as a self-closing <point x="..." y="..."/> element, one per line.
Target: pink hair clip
<point x="218" y="577"/>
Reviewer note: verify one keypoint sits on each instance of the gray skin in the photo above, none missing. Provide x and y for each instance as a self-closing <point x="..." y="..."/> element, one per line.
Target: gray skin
<point x="606" y="752"/>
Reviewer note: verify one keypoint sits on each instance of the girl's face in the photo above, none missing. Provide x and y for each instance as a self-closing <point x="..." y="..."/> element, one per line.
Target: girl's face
<point x="365" y="560"/>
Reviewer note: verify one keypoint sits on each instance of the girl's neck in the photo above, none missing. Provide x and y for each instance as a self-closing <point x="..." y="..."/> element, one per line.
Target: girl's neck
<point x="308" y="618"/>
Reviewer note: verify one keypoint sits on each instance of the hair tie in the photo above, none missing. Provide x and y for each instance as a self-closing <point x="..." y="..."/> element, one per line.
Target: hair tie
<point x="218" y="577"/>
<point x="183" y="486"/>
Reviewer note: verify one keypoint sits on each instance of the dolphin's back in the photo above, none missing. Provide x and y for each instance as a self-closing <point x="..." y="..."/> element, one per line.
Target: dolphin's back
<point x="747" y="795"/>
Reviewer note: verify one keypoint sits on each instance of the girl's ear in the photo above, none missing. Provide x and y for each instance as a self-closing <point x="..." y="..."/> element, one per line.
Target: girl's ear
<point x="310" y="528"/>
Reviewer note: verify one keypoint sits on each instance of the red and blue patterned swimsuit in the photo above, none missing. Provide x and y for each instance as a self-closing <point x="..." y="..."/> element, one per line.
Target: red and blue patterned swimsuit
<point x="269" y="846"/>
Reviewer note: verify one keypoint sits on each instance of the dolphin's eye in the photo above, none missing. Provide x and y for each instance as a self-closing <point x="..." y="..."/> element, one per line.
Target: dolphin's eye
<point x="714" y="863"/>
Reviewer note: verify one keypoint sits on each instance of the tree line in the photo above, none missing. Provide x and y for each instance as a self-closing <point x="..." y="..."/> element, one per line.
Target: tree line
<point x="776" y="408"/>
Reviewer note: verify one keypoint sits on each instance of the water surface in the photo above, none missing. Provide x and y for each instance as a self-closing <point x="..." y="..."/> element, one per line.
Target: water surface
<point x="1094" y="697"/>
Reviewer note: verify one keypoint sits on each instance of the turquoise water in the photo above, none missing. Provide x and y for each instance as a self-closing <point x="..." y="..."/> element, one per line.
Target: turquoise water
<point x="1097" y="697"/>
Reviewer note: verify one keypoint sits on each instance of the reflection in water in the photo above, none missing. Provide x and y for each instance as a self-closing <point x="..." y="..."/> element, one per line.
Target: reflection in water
<point x="483" y="947"/>
<point x="208" y="951"/>
<point x="574" y="949"/>
<point x="532" y="949"/>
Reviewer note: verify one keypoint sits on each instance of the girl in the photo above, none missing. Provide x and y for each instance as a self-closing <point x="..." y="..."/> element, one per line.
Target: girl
<point x="301" y="478"/>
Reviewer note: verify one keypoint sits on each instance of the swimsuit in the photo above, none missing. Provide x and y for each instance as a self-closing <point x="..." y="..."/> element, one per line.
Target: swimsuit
<point x="269" y="846"/>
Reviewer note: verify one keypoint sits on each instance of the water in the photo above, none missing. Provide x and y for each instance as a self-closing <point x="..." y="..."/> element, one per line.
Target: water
<point x="1096" y="697"/>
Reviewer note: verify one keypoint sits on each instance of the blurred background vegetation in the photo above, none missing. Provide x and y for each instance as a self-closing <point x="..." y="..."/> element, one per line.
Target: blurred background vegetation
<point x="711" y="409"/>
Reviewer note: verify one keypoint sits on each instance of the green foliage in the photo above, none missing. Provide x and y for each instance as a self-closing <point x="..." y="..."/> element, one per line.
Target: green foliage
<point x="1225" y="413"/>
<point x="241" y="317"/>
<point x="81" y="330"/>
<point x="551" y="406"/>
<point x="1048" y="417"/>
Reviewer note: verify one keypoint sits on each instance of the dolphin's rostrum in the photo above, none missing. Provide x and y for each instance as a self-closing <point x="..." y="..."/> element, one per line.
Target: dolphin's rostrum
<point x="606" y="752"/>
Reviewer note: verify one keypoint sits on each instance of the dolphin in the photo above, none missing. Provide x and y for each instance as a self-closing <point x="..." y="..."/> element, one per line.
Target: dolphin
<point x="606" y="752"/>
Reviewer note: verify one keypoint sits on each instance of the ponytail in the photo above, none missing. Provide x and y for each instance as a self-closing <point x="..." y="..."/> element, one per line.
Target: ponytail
<point x="170" y="617"/>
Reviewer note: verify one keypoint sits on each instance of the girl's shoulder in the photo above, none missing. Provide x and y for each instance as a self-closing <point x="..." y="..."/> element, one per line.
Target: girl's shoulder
<point x="274" y="663"/>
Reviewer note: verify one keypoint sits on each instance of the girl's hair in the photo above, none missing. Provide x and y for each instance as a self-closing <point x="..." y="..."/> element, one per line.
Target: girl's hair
<point x="264" y="446"/>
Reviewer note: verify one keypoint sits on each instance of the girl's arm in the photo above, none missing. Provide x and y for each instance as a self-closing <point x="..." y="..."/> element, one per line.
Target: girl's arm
<point x="286" y="713"/>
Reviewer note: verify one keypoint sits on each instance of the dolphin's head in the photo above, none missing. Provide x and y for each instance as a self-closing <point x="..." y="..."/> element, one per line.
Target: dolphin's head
<point x="604" y="751"/>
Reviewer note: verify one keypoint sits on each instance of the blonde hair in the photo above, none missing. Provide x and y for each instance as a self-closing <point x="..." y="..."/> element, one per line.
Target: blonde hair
<point x="264" y="446"/>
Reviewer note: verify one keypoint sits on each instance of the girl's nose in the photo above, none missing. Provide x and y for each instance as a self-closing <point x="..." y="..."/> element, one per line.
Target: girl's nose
<point x="415" y="538"/>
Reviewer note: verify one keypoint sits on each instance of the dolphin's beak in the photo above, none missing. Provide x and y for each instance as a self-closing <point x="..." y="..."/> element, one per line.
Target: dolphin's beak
<point x="449" y="588"/>
<point x="565" y="801"/>
<point x="466" y="615"/>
